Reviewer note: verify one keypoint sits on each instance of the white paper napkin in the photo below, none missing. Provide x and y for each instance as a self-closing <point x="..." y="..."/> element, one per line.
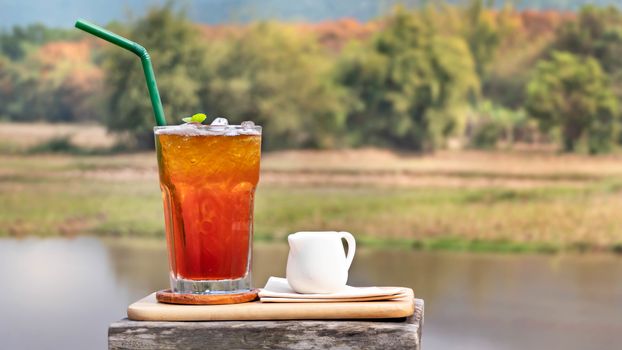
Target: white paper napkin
<point x="278" y="290"/>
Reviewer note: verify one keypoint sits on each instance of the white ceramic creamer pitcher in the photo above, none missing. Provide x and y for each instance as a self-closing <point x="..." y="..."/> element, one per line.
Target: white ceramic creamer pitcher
<point x="317" y="262"/>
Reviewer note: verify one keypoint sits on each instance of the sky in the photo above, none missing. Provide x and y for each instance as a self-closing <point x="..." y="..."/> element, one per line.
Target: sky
<point x="63" y="13"/>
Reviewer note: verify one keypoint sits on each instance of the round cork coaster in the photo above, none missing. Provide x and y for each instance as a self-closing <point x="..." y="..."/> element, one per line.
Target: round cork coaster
<point x="166" y="296"/>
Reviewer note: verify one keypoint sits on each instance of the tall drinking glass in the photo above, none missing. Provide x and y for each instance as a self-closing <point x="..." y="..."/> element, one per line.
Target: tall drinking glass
<point x="208" y="176"/>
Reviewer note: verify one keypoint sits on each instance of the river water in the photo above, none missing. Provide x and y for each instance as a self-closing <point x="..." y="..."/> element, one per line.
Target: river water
<point x="63" y="293"/>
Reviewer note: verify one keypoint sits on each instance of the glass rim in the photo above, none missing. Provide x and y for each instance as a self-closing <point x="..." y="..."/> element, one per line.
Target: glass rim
<point x="212" y="127"/>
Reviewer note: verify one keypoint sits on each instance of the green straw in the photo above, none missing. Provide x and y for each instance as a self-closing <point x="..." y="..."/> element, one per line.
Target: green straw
<point x="141" y="52"/>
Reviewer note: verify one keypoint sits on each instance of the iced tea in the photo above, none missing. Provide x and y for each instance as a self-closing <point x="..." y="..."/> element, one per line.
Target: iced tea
<point x="208" y="181"/>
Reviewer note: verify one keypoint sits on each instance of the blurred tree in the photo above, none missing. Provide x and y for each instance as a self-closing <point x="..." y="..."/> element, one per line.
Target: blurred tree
<point x="408" y="85"/>
<point x="481" y="33"/>
<point x="591" y="32"/>
<point x="493" y="124"/>
<point x="67" y="84"/>
<point x="571" y="94"/>
<point x="7" y="88"/>
<point x="56" y="82"/>
<point x="597" y="32"/>
<point x="528" y="36"/>
<point x="180" y="63"/>
<point x="16" y="43"/>
<point x="489" y="32"/>
<point x="279" y="78"/>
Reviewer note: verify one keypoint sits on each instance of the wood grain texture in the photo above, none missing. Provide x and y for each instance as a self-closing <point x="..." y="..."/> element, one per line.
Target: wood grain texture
<point x="148" y="309"/>
<point x="166" y="296"/>
<point x="398" y="334"/>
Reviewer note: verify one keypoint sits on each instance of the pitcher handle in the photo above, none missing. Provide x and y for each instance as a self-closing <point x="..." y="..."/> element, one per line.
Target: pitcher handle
<point x="351" y="246"/>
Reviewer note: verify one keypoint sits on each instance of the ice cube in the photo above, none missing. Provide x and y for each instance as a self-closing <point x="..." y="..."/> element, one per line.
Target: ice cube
<point x="247" y="124"/>
<point x="220" y="122"/>
<point x="187" y="129"/>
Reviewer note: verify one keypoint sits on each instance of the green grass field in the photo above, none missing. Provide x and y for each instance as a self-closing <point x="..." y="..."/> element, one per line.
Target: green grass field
<point x="499" y="201"/>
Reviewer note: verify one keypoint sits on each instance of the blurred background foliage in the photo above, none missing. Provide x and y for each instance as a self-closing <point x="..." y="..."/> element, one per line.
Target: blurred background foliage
<point x="420" y="78"/>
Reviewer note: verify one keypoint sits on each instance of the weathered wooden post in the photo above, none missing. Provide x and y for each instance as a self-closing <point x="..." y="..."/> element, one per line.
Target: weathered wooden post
<point x="325" y="334"/>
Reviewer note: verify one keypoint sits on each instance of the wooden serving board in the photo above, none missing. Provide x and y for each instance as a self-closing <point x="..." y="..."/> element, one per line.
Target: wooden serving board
<point x="148" y="309"/>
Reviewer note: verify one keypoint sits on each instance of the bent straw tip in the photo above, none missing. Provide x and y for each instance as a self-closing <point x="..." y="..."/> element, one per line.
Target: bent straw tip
<point x="80" y="23"/>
